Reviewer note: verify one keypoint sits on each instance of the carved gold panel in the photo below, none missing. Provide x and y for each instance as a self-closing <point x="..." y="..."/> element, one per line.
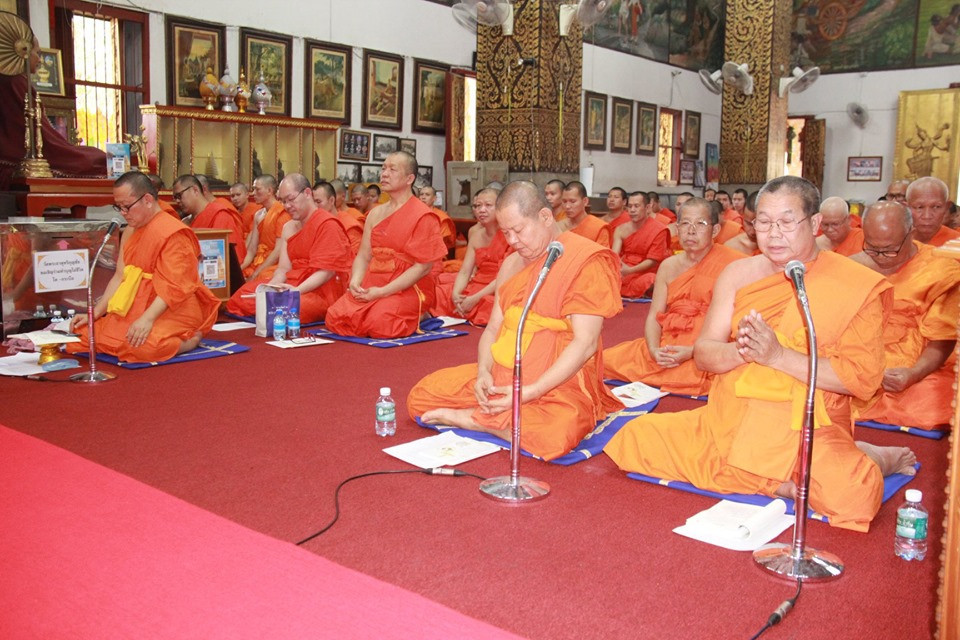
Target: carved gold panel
<point x="927" y="130"/>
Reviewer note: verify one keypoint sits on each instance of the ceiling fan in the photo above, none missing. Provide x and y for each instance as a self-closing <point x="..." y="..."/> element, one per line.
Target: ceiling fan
<point x="799" y="80"/>
<point x="472" y="13"/>
<point x="586" y="12"/>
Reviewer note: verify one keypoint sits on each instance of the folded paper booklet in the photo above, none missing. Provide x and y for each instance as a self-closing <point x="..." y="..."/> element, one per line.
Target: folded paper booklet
<point x="446" y="449"/>
<point x="637" y="393"/>
<point x="737" y="526"/>
<point x="41" y="338"/>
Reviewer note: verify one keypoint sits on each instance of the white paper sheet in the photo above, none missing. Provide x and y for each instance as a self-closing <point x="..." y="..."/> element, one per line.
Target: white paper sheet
<point x="21" y="364"/>
<point x="40" y="338"/>
<point x="637" y="393"/>
<point x="233" y="326"/>
<point x="450" y="321"/>
<point x="445" y="449"/>
<point x="736" y="526"/>
<point x="289" y="344"/>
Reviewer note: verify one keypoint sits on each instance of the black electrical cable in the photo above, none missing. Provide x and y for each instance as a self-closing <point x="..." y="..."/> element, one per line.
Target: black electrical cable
<point x="777" y="616"/>
<point x="438" y="471"/>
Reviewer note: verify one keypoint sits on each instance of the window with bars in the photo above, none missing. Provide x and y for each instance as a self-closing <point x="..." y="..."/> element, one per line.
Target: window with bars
<point x="669" y="149"/>
<point x="105" y="53"/>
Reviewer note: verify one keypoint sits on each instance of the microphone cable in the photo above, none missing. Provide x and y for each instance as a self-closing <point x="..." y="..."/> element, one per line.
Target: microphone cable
<point x="781" y="612"/>
<point x="436" y="471"/>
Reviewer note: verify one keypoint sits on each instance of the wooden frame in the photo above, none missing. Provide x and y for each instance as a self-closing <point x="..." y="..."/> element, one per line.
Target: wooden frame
<point x="269" y="54"/>
<point x="409" y="145"/>
<point x="646" y="129"/>
<point x="382" y="90"/>
<point x="691" y="134"/>
<point x="327" y="89"/>
<point x="384" y="146"/>
<point x="62" y="115"/>
<point x="688" y="171"/>
<point x="192" y="46"/>
<point x="370" y="173"/>
<point x="18" y="7"/>
<point x="864" y="168"/>
<point x="354" y="145"/>
<point x="424" y="176"/>
<point x="594" y="121"/>
<point x="348" y="172"/>
<point x="429" y="96"/>
<point x="48" y="78"/>
<point x="621" y="126"/>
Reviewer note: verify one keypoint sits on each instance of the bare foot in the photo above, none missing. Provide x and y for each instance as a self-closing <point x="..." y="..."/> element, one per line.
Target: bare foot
<point x="890" y="459"/>
<point x="787" y="490"/>
<point x="190" y="343"/>
<point x="453" y="417"/>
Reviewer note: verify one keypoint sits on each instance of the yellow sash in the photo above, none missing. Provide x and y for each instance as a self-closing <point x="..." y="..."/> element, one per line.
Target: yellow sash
<point x="504" y="348"/>
<point x="760" y="382"/>
<point x="122" y="299"/>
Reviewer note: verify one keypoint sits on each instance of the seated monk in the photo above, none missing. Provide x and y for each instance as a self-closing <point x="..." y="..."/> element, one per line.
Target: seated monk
<point x="553" y="192"/>
<point x="209" y="213"/>
<point x="325" y="197"/>
<point x="745" y="439"/>
<point x="240" y="198"/>
<point x="746" y="242"/>
<point x="578" y="220"/>
<point x="642" y="244"/>
<point x="662" y="214"/>
<point x="616" y="208"/>
<point x="391" y="284"/>
<point x="927" y="199"/>
<point x="682" y="292"/>
<point x="263" y="250"/>
<point x="563" y="395"/>
<point x="341" y="190"/>
<point x="727" y="212"/>
<point x="360" y="201"/>
<point x="839" y="235"/>
<point x="921" y="334"/>
<point x="448" y="232"/>
<point x="315" y="256"/>
<point x="470" y="294"/>
<point x="729" y="229"/>
<point x="672" y="227"/>
<point x="155" y="306"/>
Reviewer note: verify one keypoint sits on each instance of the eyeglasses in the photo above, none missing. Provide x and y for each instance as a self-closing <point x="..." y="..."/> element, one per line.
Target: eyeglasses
<point x="890" y="253"/>
<point x="697" y="225"/>
<point x="899" y="197"/>
<point x="178" y="194"/>
<point x="289" y="199"/>
<point x="125" y="208"/>
<point x="785" y="226"/>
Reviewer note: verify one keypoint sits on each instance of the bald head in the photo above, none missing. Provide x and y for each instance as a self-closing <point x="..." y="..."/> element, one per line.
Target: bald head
<point x="834" y="208"/>
<point x="884" y="214"/>
<point x="524" y="195"/>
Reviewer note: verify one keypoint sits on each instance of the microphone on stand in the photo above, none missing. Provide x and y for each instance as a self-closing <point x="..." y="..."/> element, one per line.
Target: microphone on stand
<point x="513" y="489"/>
<point x="93" y="375"/>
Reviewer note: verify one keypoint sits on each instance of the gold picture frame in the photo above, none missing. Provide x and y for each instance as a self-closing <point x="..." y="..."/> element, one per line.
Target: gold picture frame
<point x="329" y="71"/>
<point x="382" y="90"/>
<point x="927" y="125"/>
<point x="268" y="54"/>
<point x="48" y="78"/>
<point x="594" y="121"/>
<point x="192" y="46"/>
<point x="621" y="126"/>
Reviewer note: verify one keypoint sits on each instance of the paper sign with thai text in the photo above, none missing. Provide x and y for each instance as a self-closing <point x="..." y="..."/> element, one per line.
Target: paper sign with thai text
<point x="61" y="270"/>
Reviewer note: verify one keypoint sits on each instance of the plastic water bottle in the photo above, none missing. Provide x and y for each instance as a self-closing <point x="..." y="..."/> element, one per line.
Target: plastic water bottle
<point x="279" y="325"/>
<point x="57" y="316"/>
<point x="386" y="413"/>
<point x="911" y="540"/>
<point x="71" y="314"/>
<point x="293" y="325"/>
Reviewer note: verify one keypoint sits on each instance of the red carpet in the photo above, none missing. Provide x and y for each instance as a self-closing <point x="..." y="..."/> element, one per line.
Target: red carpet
<point x="263" y="438"/>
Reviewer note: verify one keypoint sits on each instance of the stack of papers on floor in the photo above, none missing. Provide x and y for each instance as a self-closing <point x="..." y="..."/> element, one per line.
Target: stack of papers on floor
<point x="637" y="393"/>
<point x="737" y="526"/>
<point x="446" y="449"/>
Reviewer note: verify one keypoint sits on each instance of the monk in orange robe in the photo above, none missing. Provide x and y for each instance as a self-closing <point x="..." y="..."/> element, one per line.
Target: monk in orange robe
<point x="448" y="232"/>
<point x="745" y="440"/>
<point x="166" y="207"/>
<point x="663" y="215"/>
<point x="155" y="306"/>
<point x="927" y="199"/>
<point x="342" y="207"/>
<point x="470" y="293"/>
<point x="240" y="198"/>
<point x="563" y="394"/>
<point x="642" y="245"/>
<point x="682" y="292"/>
<point x="158" y="185"/>
<point x="391" y="284"/>
<point x="263" y="252"/>
<point x="728" y="230"/>
<point x="553" y="192"/>
<point x="746" y="242"/>
<point x="839" y="235"/>
<point x="325" y="197"/>
<point x="616" y="208"/>
<point x="921" y="335"/>
<point x="728" y="213"/>
<point x="580" y="222"/>
<point x="315" y="257"/>
<point x="209" y="213"/>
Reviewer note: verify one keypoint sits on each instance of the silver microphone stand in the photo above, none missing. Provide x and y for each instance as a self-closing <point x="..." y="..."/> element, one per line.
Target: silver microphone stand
<point x="93" y="375"/>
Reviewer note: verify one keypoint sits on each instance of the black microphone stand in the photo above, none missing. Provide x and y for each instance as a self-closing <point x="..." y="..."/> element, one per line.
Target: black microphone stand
<point x="93" y="375"/>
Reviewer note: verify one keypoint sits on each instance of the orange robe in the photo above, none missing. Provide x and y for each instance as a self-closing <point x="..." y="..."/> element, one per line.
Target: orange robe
<point x="584" y="281"/>
<point x="166" y="250"/>
<point x="320" y="245"/>
<point x="943" y="235"/>
<point x="217" y="216"/>
<point x="487" y="261"/>
<point x="728" y="229"/>
<point x="448" y="229"/>
<point x="270" y="229"/>
<point x="926" y="299"/>
<point x="168" y="208"/>
<point x="593" y="228"/>
<point x="688" y="296"/>
<point x="732" y="215"/>
<point x="855" y="221"/>
<point x="353" y="229"/>
<point x="852" y="244"/>
<point x="652" y="241"/>
<point x="355" y="213"/>
<point x="669" y="215"/>
<point x="619" y="220"/>
<point x="662" y="219"/>
<point x="249" y="211"/>
<point x="409" y="235"/>
<point x="745" y="439"/>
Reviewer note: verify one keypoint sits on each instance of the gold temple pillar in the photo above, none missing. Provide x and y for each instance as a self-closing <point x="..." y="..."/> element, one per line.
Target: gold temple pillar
<point x="529" y="91"/>
<point x="753" y="129"/>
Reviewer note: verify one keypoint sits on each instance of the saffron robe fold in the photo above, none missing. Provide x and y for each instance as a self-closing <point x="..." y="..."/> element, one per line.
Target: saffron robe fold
<point x="926" y="300"/>
<point x="320" y="245"/>
<point x="167" y="252"/>
<point x="623" y="218"/>
<point x="218" y="216"/>
<point x="852" y="244"/>
<point x="247" y="215"/>
<point x="943" y="235"/>
<point x="593" y="228"/>
<point x="688" y="297"/>
<point x="668" y="214"/>
<point x="268" y="232"/>
<point x="353" y="229"/>
<point x="168" y="208"/>
<point x="487" y="261"/>
<point x="742" y="441"/>
<point x="651" y="241"/>
<point x="408" y="236"/>
<point x="728" y="229"/>
<point x="448" y="228"/>
<point x="585" y="281"/>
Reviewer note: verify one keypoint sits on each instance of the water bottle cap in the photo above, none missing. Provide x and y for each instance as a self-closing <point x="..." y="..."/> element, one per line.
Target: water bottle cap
<point x="384" y="391"/>
<point x="914" y="495"/>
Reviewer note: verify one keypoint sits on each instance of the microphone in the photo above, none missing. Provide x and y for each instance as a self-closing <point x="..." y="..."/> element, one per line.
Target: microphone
<point x="554" y="251"/>
<point x="794" y="272"/>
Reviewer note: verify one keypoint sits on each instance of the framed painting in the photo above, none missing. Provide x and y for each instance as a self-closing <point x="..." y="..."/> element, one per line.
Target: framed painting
<point x="621" y="126"/>
<point x="348" y="172"/>
<point x="409" y="145"/>
<point x="382" y="90"/>
<point x="48" y="78"/>
<point x="384" y="146"/>
<point x="864" y="168"/>
<point x="691" y="134"/>
<point x="192" y="48"/>
<point x="713" y="165"/>
<point x="370" y="173"/>
<point x="688" y="170"/>
<point x="424" y="176"/>
<point x="327" y="90"/>
<point x="268" y="55"/>
<point x="354" y="145"/>
<point x="594" y="121"/>
<point x="429" y="96"/>
<point x="646" y="129"/>
<point x="17" y="7"/>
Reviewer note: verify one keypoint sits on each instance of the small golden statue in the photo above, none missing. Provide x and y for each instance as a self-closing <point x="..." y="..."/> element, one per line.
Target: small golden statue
<point x="138" y="147"/>
<point x="243" y="92"/>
